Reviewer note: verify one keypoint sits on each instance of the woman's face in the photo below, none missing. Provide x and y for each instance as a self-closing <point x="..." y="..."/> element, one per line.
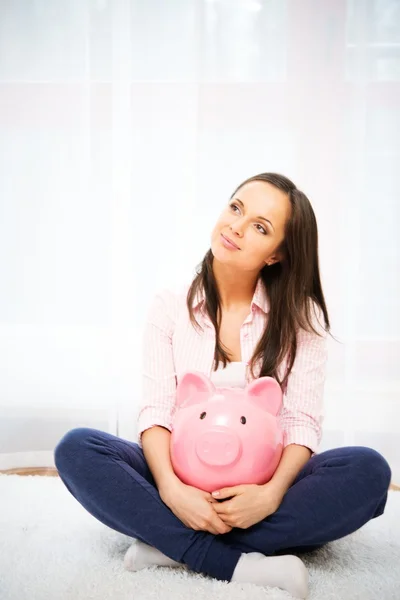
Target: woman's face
<point x="254" y="220"/>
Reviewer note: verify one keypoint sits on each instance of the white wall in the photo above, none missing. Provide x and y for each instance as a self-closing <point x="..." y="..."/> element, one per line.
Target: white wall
<point x="121" y="122"/>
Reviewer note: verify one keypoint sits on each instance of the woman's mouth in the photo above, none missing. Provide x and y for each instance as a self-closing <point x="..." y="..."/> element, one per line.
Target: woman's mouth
<point x="228" y="244"/>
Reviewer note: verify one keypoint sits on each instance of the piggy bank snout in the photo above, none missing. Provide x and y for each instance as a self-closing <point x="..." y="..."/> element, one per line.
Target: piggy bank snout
<point x="218" y="447"/>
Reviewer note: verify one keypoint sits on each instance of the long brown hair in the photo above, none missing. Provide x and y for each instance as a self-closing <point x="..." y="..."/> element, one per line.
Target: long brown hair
<point x="292" y="285"/>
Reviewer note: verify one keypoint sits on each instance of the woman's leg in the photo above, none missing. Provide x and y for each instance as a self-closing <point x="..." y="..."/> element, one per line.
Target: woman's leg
<point x="109" y="476"/>
<point x="335" y="493"/>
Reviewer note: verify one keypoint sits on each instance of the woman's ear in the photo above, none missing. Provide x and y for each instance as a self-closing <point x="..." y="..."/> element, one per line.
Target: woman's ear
<point x="194" y="387"/>
<point x="272" y="260"/>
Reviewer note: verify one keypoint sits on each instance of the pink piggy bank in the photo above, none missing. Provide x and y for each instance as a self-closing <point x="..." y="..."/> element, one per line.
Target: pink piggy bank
<point x="223" y="437"/>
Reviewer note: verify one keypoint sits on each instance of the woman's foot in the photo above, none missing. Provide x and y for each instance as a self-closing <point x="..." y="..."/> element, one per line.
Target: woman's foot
<point x="287" y="572"/>
<point x="141" y="555"/>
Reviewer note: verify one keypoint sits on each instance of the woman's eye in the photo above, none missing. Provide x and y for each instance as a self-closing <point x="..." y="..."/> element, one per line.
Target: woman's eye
<point x="243" y="420"/>
<point x="262" y="230"/>
<point x="203" y="414"/>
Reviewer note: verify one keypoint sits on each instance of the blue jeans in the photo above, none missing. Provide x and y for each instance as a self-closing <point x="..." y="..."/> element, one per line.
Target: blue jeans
<point x="333" y="495"/>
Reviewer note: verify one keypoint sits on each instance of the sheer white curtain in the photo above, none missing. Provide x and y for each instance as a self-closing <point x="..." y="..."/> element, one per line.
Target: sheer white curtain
<point x="124" y="128"/>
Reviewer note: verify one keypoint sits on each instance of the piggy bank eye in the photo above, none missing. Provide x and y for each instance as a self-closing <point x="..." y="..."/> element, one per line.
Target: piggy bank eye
<point x="243" y="420"/>
<point x="203" y="414"/>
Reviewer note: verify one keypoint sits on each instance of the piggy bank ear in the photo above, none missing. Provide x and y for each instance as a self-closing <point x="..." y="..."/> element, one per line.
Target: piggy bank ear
<point x="266" y="393"/>
<point x="194" y="387"/>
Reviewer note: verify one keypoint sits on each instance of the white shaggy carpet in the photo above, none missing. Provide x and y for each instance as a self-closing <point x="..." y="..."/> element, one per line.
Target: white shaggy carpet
<point x="52" y="549"/>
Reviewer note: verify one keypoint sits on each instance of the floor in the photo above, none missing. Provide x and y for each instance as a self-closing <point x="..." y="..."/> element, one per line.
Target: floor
<point x="50" y="547"/>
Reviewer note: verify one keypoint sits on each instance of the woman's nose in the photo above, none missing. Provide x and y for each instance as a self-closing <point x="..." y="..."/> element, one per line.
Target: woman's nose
<point x="237" y="228"/>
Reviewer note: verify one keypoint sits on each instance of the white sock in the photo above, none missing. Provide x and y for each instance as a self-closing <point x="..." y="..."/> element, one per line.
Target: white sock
<point x="140" y="555"/>
<point x="287" y="572"/>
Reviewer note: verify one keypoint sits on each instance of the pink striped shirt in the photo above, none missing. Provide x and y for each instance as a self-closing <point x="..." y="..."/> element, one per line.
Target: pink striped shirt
<point x="172" y="346"/>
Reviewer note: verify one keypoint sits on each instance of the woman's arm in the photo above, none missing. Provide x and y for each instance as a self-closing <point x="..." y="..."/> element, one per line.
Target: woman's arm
<point x="158" y="388"/>
<point x="303" y="409"/>
<point x="293" y="459"/>
<point x="158" y="369"/>
<point x="302" y="412"/>
<point x="156" y="444"/>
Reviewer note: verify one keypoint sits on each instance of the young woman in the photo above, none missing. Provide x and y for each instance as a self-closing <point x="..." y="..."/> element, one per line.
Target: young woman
<point x="254" y="308"/>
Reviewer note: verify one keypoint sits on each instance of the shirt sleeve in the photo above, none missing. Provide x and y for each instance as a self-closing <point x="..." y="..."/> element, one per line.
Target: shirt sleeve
<point x="158" y="370"/>
<point x="302" y="413"/>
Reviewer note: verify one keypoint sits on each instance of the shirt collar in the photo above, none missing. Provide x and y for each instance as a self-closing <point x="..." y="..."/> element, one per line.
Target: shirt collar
<point x="259" y="299"/>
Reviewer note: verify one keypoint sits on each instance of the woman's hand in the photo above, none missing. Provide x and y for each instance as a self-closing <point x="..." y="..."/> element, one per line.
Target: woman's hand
<point x="250" y="504"/>
<point x="194" y="507"/>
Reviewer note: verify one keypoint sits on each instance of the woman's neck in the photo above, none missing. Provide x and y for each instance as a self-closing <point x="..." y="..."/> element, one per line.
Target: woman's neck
<point x="236" y="290"/>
